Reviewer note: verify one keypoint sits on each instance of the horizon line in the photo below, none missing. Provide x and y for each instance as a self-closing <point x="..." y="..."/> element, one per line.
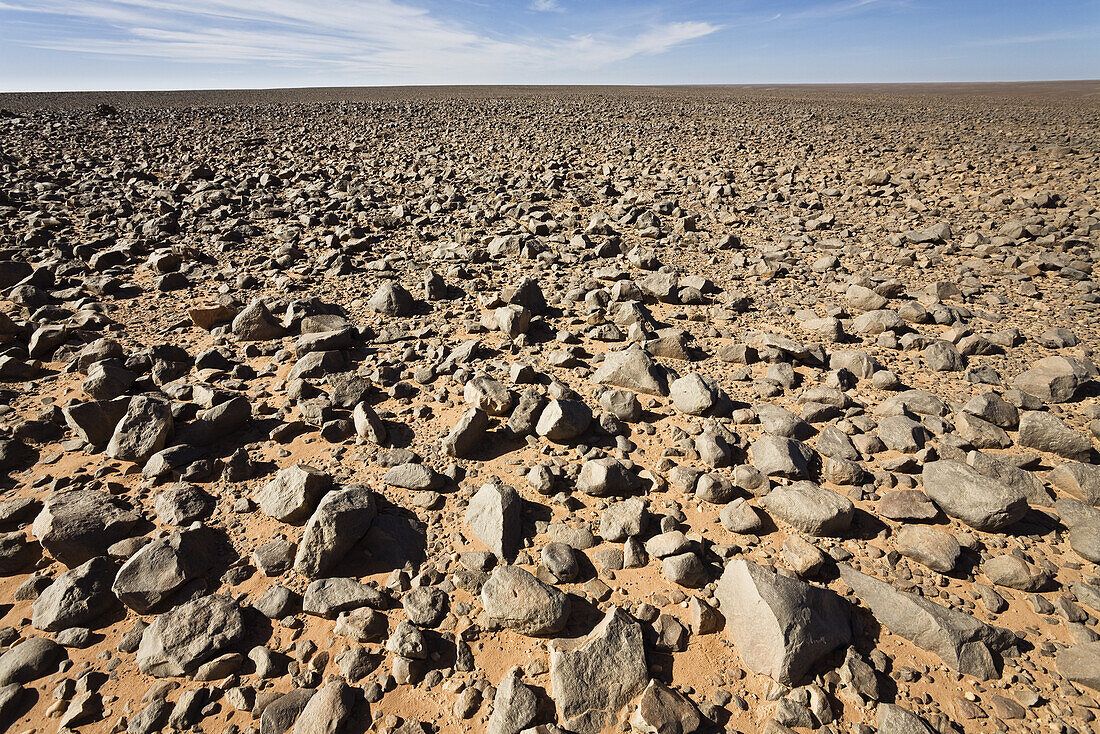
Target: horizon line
<point x="170" y="90"/>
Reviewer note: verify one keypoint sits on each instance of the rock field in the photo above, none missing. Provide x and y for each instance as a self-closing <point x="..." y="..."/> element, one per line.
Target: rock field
<point x="551" y="410"/>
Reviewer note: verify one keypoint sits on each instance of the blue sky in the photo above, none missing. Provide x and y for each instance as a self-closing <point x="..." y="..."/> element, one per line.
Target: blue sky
<point x="169" y="44"/>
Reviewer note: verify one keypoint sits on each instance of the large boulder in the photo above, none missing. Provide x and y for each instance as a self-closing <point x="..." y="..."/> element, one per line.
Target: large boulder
<point x="1045" y="432"/>
<point x="964" y="643"/>
<point x="963" y="493"/>
<point x="632" y="369"/>
<point x="30" y="660"/>
<point x="780" y="456"/>
<point x="1081" y="664"/>
<point x="782" y="626"/>
<point x="811" y="509"/>
<point x="293" y="494"/>
<point x="158" y="569"/>
<point x="143" y="430"/>
<point x="341" y="519"/>
<point x="1055" y="379"/>
<point x="515" y="599"/>
<point x="593" y="681"/>
<point x="494" y="516"/>
<point x="81" y="524"/>
<point x="76" y="597"/>
<point x="182" y="639"/>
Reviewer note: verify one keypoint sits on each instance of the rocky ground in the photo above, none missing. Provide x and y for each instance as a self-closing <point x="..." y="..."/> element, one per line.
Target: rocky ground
<point x="518" y="410"/>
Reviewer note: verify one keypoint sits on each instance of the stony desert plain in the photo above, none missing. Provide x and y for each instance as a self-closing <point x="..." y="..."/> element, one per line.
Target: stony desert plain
<point x="559" y="409"/>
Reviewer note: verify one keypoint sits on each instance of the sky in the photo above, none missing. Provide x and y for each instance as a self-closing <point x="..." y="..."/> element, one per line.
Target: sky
<point x="59" y="45"/>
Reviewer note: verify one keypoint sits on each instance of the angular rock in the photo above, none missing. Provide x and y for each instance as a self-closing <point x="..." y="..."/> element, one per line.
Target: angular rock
<point x="341" y="519"/>
<point x="781" y="626"/>
<point x="75" y="598"/>
<point x="564" y="420"/>
<point x="467" y="434"/>
<point x="632" y="369"/>
<point x="963" y="493"/>
<point x="520" y="602"/>
<point x="593" y="682"/>
<point x="182" y="639"/>
<point x="961" y="641"/>
<point x="77" y="525"/>
<point x="143" y="430"/>
<point x="293" y="494"/>
<point x="1078" y="663"/>
<point x="494" y="515"/>
<point x="810" y="508"/>
<point x="1045" y="432"/>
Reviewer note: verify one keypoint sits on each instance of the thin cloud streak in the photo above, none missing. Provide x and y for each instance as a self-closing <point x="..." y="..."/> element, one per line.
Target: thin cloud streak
<point x="386" y="39"/>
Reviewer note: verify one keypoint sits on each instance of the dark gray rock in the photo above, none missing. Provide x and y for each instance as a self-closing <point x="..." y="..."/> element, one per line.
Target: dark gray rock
<point x="980" y="502"/>
<point x="961" y="641"/>
<point x="595" y="679"/>
<point x="81" y="524"/>
<point x="75" y="598"/>
<point x="182" y="639"/>
<point x="782" y="626"/>
<point x="341" y="519"/>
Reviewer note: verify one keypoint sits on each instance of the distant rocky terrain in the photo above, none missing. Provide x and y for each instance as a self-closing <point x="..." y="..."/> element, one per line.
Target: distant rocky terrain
<point x="560" y="410"/>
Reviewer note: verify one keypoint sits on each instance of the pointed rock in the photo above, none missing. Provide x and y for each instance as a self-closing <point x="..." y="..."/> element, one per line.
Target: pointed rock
<point x="962" y="642"/>
<point x="596" y="679"/>
<point x="781" y="626"/>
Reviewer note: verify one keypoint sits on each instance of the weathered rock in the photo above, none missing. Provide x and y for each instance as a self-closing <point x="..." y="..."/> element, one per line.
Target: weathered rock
<point x="391" y="299"/>
<point x="1046" y="432"/>
<point x="1054" y="379"/>
<point x="514" y="706"/>
<point x="520" y="602"/>
<point x="781" y="626"/>
<point x="963" y="493"/>
<point x="1016" y="573"/>
<point x="30" y="660"/>
<point x="810" y="508"/>
<point x="778" y="456"/>
<point x="75" y="598"/>
<point x="593" y="681"/>
<point x="182" y="639"/>
<point x="143" y="430"/>
<point x="158" y="569"/>
<point x="182" y="504"/>
<point x="564" y="420"/>
<point x="81" y="524"/>
<point x="1078" y="663"/>
<point x="930" y="546"/>
<point x="494" y="516"/>
<point x="632" y="369"/>
<point x="1078" y="479"/>
<point x="255" y="323"/>
<point x="691" y="394"/>
<point x="328" y="710"/>
<point x="293" y="494"/>
<point x="961" y="641"/>
<point x="896" y="720"/>
<point x="341" y="519"/>
<point x="662" y="710"/>
<point x="467" y="434"/>
<point x="604" y="477"/>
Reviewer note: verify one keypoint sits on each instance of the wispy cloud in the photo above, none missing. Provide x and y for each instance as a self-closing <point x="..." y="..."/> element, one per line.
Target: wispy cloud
<point x="1077" y="34"/>
<point x="838" y="9"/>
<point x="546" y="6"/>
<point x="386" y="41"/>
